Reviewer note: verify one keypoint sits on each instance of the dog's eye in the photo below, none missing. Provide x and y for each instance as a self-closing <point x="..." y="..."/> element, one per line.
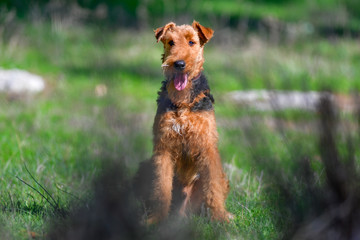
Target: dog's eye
<point x="191" y="43"/>
<point x="171" y="43"/>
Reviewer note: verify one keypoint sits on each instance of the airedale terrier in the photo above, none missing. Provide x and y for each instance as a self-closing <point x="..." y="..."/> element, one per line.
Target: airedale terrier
<point x="185" y="135"/>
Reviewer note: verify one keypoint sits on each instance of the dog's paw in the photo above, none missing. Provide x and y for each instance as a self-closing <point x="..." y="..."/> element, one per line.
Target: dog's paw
<point x="151" y="221"/>
<point x="230" y="216"/>
<point x="223" y="216"/>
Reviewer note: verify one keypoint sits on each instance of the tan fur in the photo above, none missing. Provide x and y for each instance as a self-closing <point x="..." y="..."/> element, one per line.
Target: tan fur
<point x="185" y="142"/>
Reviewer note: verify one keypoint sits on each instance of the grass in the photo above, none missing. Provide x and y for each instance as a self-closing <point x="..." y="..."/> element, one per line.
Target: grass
<point x="63" y="134"/>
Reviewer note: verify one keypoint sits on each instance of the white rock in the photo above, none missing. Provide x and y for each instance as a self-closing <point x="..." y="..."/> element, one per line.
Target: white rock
<point x="277" y="100"/>
<point x="20" y="81"/>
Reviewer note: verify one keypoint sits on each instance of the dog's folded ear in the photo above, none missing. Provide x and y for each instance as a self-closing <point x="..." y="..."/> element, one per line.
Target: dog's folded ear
<point x="160" y="32"/>
<point x="205" y="34"/>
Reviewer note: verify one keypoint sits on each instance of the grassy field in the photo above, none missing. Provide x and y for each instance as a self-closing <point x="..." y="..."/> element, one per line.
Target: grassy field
<point x="63" y="135"/>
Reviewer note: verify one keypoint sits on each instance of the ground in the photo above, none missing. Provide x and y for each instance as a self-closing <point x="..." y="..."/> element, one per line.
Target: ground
<point x="63" y="134"/>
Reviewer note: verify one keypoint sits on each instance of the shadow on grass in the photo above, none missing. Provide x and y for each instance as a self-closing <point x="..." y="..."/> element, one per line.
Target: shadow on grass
<point x="114" y="212"/>
<point x="317" y="196"/>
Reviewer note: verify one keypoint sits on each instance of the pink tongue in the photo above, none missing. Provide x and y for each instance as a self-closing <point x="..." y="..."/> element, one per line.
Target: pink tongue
<point x="180" y="81"/>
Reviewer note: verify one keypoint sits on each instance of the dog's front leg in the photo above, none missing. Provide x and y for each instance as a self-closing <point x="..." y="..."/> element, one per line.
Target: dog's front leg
<point x="161" y="198"/>
<point x="214" y="182"/>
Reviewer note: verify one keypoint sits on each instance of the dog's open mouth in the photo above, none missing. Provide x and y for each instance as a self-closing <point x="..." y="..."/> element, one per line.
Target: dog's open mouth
<point x="180" y="81"/>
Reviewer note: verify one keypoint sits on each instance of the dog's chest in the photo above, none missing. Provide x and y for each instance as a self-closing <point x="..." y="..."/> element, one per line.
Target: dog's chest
<point x="181" y="123"/>
<point x="178" y="127"/>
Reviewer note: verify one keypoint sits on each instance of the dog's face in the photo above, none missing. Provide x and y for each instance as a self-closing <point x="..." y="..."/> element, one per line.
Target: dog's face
<point x="183" y="51"/>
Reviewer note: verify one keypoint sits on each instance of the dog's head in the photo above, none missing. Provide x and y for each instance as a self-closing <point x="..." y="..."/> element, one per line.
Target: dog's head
<point x="183" y="51"/>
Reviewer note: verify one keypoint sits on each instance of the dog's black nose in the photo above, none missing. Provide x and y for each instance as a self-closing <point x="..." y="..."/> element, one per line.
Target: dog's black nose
<point x="179" y="65"/>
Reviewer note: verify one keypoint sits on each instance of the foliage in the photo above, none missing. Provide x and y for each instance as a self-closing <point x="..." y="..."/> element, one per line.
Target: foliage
<point x="342" y="15"/>
<point x="353" y="7"/>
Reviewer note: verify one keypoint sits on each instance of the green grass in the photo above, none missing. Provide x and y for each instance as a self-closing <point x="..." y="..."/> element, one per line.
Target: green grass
<point x="63" y="134"/>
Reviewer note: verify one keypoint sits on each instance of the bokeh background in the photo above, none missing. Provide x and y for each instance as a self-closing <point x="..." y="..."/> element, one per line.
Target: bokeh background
<point x="293" y="170"/>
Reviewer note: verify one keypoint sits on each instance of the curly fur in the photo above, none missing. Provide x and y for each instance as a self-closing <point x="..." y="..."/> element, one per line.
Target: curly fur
<point x="185" y="134"/>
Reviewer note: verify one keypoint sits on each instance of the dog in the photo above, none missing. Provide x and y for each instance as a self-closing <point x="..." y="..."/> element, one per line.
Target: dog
<point x="185" y="152"/>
